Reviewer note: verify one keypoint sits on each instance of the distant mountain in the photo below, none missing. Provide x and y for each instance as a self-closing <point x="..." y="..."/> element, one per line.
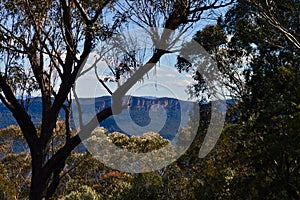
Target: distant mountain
<point x="34" y="108"/>
<point x="167" y="114"/>
<point x="142" y="115"/>
<point x="132" y="121"/>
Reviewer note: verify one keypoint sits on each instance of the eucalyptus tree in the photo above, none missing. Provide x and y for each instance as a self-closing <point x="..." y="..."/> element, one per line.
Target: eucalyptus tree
<point x="256" y="47"/>
<point x="47" y="42"/>
<point x="270" y="108"/>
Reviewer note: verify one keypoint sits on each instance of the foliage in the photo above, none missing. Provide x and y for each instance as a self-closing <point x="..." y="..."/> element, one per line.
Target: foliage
<point x="83" y="193"/>
<point x="112" y="184"/>
<point x="265" y="136"/>
<point x="7" y="189"/>
<point x="14" y="164"/>
<point x="259" y="60"/>
<point x="138" y="144"/>
<point x="270" y="108"/>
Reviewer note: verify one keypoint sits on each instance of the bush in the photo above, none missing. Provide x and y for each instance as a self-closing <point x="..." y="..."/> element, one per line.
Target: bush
<point x="83" y="193"/>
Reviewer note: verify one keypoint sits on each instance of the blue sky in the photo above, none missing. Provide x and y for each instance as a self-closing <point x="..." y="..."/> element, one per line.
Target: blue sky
<point x="162" y="81"/>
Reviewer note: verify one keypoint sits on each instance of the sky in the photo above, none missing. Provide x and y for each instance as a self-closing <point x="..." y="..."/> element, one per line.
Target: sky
<point x="163" y="80"/>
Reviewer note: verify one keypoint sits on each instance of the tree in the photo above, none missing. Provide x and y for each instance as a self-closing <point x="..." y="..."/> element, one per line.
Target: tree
<point x="268" y="10"/>
<point x="49" y="41"/>
<point x="263" y="51"/>
<point x="84" y="192"/>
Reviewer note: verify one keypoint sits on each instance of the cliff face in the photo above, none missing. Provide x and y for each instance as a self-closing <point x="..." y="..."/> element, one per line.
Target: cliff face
<point x="177" y="114"/>
<point x="140" y="103"/>
<point x="144" y="103"/>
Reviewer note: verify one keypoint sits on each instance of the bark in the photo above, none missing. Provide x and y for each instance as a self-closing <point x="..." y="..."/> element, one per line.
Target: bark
<point x="38" y="184"/>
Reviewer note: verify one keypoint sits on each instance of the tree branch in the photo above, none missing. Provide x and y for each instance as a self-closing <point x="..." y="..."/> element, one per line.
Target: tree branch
<point x="212" y="6"/>
<point x="20" y="115"/>
<point x="62" y="154"/>
<point x="83" y="12"/>
<point x="268" y="14"/>
<point x="69" y="39"/>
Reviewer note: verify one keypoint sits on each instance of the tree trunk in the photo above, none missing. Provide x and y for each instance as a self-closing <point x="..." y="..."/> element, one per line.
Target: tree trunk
<point x="38" y="186"/>
<point x="44" y="183"/>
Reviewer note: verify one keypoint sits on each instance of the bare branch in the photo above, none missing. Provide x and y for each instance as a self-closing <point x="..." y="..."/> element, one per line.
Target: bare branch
<point x="69" y="38"/>
<point x="267" y="13"/>
<point x="51" y="42"/>
<point x="102" y="82"/>
<point x="20" y="114"/>
<point x="78" y="107"/>
<point x="83" y="12"/>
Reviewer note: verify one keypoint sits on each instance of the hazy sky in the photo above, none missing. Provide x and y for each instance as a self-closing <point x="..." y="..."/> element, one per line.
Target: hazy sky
<point x="162" y="81"/>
